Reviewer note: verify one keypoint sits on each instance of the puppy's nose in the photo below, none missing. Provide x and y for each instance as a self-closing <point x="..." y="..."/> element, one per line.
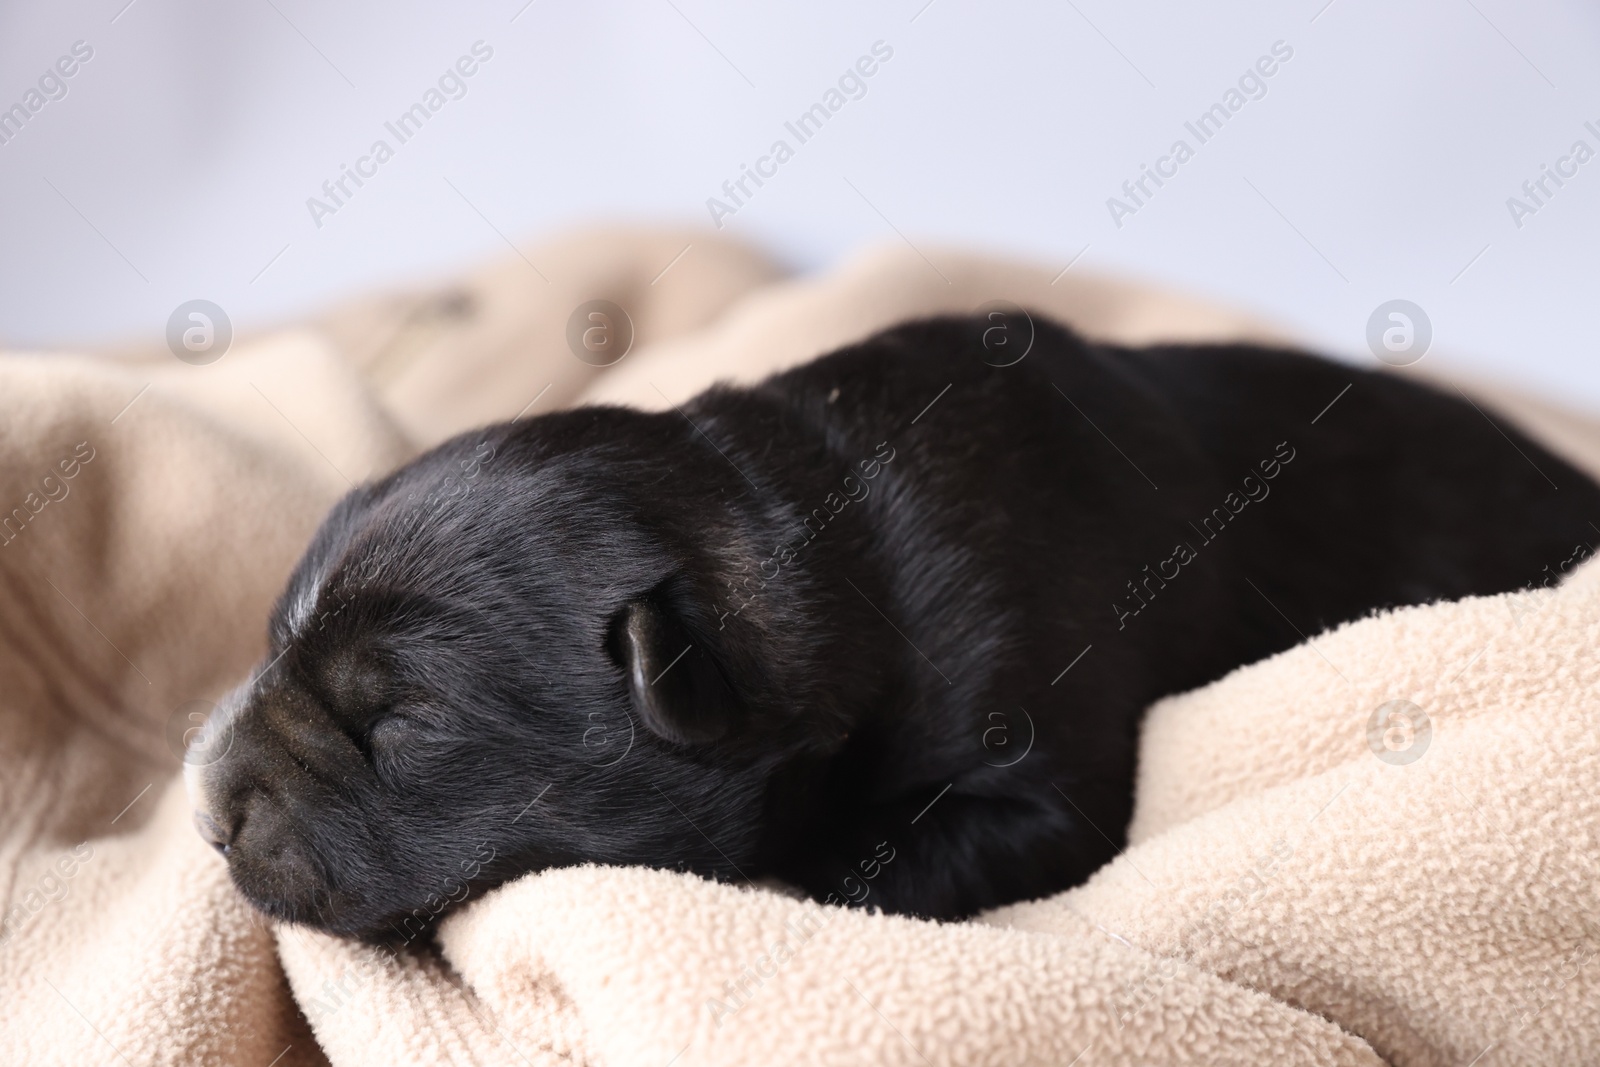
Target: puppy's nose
<point x="212" y="831"/>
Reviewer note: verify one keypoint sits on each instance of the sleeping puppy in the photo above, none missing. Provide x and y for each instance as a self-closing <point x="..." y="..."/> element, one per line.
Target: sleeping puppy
<point x="881" y="627"/>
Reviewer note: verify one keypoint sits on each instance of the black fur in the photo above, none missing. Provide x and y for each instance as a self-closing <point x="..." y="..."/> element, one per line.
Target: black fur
<point x="799" y="630"/>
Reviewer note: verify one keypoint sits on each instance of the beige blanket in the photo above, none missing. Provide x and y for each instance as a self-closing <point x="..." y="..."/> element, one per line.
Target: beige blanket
<point x="1319" y="874"/>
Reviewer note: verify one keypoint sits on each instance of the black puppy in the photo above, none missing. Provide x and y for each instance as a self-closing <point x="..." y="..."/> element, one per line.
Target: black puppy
<point x="882" y="626"/>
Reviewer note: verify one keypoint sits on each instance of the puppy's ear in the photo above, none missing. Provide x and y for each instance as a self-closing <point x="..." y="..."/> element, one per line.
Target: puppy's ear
<point x="677" y="689"/>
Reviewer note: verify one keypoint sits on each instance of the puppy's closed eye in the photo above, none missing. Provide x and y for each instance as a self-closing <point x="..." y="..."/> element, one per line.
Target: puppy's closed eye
<point x="390" y="745"/>
<point x="360" y="691"/>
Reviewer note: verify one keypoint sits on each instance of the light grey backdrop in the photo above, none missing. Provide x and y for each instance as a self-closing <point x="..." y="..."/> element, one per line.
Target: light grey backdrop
<point x="1375" y="163"/>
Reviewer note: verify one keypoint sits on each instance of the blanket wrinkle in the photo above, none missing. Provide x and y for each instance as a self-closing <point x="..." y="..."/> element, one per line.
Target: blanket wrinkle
<point x="1306" y="881"/>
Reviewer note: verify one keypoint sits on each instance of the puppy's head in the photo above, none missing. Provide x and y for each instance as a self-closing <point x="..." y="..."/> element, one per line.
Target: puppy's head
<point x="502" y="658"/>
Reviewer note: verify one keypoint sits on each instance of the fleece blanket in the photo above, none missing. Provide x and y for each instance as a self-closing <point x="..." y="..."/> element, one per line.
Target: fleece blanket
<point x="1380" y="846"/>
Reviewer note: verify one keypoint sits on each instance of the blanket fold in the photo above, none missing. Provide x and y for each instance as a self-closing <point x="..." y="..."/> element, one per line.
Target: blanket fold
<point x="1377" y="847"/>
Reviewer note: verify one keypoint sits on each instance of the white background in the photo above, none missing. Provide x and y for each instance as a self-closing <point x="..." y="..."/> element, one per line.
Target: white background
<point x="1377" y="166"/>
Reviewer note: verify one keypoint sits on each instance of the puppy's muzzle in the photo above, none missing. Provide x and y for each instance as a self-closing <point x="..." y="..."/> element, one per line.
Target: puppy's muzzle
<point x="213" y="833"/>
<point x="199" y="764"/>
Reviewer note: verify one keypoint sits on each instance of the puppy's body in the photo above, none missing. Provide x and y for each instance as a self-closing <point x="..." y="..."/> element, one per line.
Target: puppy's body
<point x="882" y="626"/>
